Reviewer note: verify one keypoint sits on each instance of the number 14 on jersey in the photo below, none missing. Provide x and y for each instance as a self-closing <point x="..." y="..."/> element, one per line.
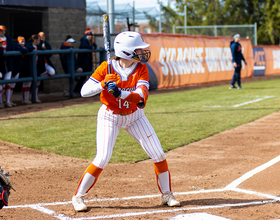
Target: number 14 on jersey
<point x="124" y="104"/>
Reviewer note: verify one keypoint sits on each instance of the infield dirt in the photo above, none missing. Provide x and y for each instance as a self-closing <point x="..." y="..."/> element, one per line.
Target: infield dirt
<point x="212" y="163"/>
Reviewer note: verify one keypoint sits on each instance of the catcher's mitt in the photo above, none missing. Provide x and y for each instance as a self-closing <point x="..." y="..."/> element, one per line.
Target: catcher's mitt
<point x="5" y="187"/>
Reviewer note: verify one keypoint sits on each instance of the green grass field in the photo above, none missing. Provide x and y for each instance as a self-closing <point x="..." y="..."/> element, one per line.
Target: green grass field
<point x="178" y="118"/>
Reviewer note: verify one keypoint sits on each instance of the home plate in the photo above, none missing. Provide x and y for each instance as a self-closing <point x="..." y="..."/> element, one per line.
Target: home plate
<point x="198" y="216"/>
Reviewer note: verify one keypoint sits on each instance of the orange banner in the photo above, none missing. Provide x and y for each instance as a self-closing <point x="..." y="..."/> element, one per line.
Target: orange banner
<point x="179" y="60"/>
<point x="272" y="59"/>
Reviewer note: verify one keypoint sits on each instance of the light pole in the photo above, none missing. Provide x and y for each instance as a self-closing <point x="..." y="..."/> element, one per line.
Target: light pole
<point x="111" y="13"/>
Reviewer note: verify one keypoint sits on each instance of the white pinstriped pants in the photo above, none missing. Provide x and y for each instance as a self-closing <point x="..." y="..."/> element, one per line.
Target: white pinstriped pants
<point x="136" y="124"/>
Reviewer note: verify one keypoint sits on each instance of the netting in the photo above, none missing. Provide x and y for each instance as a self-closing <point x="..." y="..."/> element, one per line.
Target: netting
<point x="121" y="11"/>
<point x="95" y="10"/>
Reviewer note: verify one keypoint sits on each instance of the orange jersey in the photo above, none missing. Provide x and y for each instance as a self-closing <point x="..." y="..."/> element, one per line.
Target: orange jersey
<point x="140" y="74"/>
<point x="4" y="45"/>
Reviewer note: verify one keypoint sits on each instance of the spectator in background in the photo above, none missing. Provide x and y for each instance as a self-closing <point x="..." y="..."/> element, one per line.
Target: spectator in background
<point x="31" y="45"/>
<point x="45" y="66"/>
<point x="18" y="65"/>
<point x="6" y="63"/>
<point x="67" y="44"/>
<point x="1" y="75"/>
<point x="85" y="59"/>
<point x="237" y="57"/>
<point x="25" y="71"/>
<point x="44" y="45"/>
<point x="1" y="49"/>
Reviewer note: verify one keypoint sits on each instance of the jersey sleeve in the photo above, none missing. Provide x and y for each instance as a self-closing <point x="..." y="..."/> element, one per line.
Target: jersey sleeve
<point x="140" y="95"/>
<point x="144" y="77"/>
<point x="100" y="72"/>
<point x="93" y="86"/>
<point x="143" y="86"/>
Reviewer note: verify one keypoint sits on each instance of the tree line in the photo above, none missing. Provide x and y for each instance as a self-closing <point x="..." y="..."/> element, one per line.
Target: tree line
<point x="265" y="13"/>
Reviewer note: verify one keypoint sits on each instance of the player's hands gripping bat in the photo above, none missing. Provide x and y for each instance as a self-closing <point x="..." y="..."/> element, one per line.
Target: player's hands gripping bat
<point x="112" y="86"/>
<point x="107" y="44"/>
<point x="108" y="79"/>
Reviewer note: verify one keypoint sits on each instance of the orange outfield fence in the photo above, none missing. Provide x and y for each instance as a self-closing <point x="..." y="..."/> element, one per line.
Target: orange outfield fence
<point x="179" y="60"/>
<point x="266" y="60"/>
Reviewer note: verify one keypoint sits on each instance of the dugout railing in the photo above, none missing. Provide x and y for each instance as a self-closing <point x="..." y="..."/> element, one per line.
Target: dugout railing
<point x="71" y="67"/>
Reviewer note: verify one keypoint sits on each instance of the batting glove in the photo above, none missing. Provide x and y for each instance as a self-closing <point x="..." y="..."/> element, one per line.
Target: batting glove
<point x="109" y="78"/>
<point x="113" y="89"/>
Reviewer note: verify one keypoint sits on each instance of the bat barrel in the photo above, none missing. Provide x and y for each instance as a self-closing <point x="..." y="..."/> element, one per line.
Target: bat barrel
<point x="107" y="39"/>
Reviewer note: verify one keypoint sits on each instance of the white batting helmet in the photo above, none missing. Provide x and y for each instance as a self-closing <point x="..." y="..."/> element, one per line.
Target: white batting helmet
<point x="127" y="42"/>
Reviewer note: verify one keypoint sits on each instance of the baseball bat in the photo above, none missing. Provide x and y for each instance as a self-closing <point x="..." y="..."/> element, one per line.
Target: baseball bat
<point x="107" y="42"/>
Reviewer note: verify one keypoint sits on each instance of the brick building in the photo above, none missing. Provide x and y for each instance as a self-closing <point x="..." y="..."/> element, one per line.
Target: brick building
<point x="56" y="18"/>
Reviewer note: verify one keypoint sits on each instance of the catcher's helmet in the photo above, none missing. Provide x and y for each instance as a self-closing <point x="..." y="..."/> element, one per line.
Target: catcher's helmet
<point x="127" y="42"/>
<point x="3" y="197"/>
<point x="5" y="186"/>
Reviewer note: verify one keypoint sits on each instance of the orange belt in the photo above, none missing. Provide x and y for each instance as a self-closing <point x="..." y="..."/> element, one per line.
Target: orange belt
<point x="121" y="112"/>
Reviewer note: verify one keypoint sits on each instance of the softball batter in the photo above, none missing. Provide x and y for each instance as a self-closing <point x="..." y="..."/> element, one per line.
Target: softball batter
<point x="123" y="109"/>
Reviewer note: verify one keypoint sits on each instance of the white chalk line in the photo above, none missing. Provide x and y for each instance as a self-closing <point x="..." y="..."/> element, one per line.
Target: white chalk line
<point x="43" y="209"/>
<point x="86" y="201"/>
<point x="113" y="199"/>
<point x="130" y="214"/>
<point x="39" y="207"/>
<point x="249" y="174"/>
<point x="276" y="198"/>
<point x="238" y="105"/>
<point x="231" y="187"/>
<point x="256" y="100"/>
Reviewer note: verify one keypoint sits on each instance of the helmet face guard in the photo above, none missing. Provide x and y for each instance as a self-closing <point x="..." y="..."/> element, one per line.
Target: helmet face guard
<point x="142" y="57"/>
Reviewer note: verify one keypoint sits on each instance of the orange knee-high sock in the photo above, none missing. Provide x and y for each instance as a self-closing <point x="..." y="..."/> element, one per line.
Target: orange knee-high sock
<point x="92" y="170"/>
<point x="160" y="168"/>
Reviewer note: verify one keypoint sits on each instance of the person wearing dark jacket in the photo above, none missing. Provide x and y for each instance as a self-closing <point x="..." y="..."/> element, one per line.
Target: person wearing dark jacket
<point x="18" y="67"/>
<point x="85" y="59"/>
<point x="237" y="57"/>
<point x="44" y="66"/>
<point x="31" y="45"/>
<point x="48" y="67"/>
<point x="1" y="75"/>
<point x="67" y="44"/>
<point x="6" y="63"/>
<point x="1" y="50"/>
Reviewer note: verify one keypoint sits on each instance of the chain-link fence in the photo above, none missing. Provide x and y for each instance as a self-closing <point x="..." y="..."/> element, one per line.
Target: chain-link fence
<point x="124" y="15"/>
